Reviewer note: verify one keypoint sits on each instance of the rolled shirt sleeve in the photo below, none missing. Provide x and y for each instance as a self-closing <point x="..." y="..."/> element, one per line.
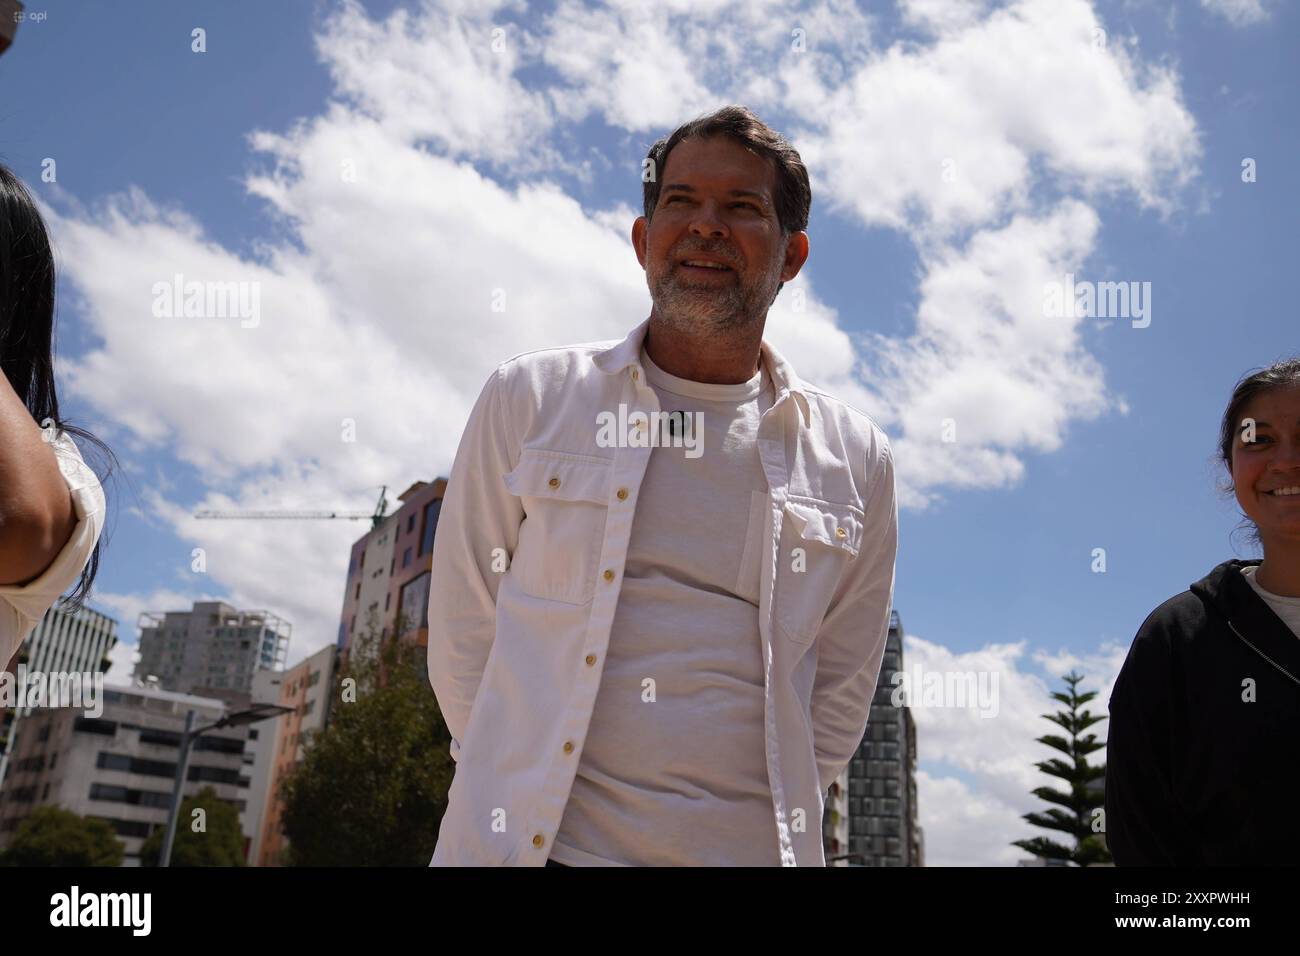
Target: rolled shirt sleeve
<point x="23" y="606"/>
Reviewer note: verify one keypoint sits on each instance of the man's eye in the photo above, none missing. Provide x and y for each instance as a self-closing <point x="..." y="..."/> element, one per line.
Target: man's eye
<point x="747" y="205"/>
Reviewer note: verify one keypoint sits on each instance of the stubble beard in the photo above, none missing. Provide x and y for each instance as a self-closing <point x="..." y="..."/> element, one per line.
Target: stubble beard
<point x="707" y="310"/>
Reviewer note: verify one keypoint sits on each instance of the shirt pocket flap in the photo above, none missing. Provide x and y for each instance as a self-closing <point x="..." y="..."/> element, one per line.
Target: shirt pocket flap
<point x="561" y="476"/>
<point x="840" y="526"/>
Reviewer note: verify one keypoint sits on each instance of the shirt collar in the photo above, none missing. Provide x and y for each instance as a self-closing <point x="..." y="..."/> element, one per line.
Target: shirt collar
<point x="618" y="357"/>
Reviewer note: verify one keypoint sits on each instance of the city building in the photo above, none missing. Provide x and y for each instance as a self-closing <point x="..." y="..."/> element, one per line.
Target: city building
<point x="278" y="746"/>
<point x="63" y="642"/>
<point x="213" y="646"/>
<point x="121" y="766"/>
<point x="835" y="821"/>
<point x="388" y="573"/>
<point x="883" y="828"/>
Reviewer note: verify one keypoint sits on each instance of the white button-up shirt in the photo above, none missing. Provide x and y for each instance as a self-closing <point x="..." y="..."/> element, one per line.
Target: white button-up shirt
<point x="527" y="565"/>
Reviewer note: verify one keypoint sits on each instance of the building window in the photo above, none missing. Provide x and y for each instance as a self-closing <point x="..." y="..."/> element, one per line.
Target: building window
<point x="431" y="511"/>
<point x="410" y="523"/>
<point x="92" y="725"/>
<point x="406" y="557"/>
<point x="414" y="604"/>
<point x="356" y="595"/>
<point x="388" y="599"/>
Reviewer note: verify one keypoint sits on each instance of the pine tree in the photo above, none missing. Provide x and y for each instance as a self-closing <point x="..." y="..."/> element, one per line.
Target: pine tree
<point x="1079" y="812"/>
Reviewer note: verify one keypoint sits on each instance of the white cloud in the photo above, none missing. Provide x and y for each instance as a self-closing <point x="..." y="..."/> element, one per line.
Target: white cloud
<point x="648" y="67"/>
<point x="989" y="148"/>
<point x="1240" y="13"/>
<point x="445" y="75"/>
<point x="984" y="361"/>
<point x="977" y="773"/>
<point x="942" y="16"/>
<point x="966" y="827"/>
<point x="962" y="132"/>
<point x="392" y="244"/>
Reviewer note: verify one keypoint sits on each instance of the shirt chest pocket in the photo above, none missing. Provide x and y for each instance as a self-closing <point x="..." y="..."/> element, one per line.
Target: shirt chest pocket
<point x="565" y="500"/>
<point x="819" y="539"/>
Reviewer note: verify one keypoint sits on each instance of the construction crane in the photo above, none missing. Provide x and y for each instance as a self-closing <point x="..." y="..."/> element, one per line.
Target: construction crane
<point x="377" y="518"/>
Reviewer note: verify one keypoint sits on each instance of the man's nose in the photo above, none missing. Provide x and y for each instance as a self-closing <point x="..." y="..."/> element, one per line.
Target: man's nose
<point x="707" y="223"/>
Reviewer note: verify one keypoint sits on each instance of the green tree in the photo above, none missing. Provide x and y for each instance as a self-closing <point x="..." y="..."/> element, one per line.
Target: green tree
<point x="220" y="843"/>
<point x="372" y="787"/>
<point x="1078" y="813"/>
<point x="53" y="836"/>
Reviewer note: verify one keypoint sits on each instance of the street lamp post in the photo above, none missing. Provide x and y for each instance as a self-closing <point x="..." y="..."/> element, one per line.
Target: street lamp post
<point x="240" y="718"/>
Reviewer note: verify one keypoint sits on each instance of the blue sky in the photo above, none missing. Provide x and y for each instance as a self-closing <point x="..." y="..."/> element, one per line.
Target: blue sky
<point x="474" y="166"/>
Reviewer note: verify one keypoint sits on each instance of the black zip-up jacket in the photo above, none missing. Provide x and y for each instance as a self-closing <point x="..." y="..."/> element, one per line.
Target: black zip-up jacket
<point x="1197" y="773"/>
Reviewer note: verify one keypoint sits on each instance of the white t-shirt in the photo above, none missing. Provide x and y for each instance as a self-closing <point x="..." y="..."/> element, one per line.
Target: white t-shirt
<point x="21" y="608"/>
<point x="681" y="780"/>
<point x="1287" y="608"/>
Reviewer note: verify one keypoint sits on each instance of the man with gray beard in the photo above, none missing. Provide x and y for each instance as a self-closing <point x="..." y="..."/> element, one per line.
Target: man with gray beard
<point x="681" y="655"/>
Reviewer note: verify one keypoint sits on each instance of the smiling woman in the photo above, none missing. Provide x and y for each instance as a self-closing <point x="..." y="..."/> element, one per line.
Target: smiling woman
<point x="51" y="503"/>
<point x="1202" y="766"/>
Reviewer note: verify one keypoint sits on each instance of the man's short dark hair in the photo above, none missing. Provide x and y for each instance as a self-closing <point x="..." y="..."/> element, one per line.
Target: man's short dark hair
<point x="792" y="195"/>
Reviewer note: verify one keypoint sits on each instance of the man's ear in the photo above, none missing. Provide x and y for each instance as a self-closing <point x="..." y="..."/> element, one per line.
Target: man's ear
<point x="639" y="229"/>
<point x="796" y="254"/>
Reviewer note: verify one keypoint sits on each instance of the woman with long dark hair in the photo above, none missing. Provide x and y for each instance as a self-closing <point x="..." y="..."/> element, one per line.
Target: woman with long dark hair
<point x="1203" y="753"/>
<point x="51" y="502"/>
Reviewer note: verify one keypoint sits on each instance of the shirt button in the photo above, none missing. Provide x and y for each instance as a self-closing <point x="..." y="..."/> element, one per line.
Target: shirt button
<point x="591" y="660"/>
<point x="841" y="533"/>
<point x="537" y="840"/>
<point x="622" y="494"/>
<point x="634" y="375"/>
<point x="568" y="746"/>
<point x="609" y="574"/>
<point x="554" y="482"/>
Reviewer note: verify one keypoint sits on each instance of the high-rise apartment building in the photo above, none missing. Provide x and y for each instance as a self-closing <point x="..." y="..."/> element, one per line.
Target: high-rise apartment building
<point x="212" y="646"/>
<point x="64" y="642"/>
<point x="883" y="827"/>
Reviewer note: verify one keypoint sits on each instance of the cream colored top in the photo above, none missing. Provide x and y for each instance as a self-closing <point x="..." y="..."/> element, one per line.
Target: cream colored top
<point x="22" y="607"/>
